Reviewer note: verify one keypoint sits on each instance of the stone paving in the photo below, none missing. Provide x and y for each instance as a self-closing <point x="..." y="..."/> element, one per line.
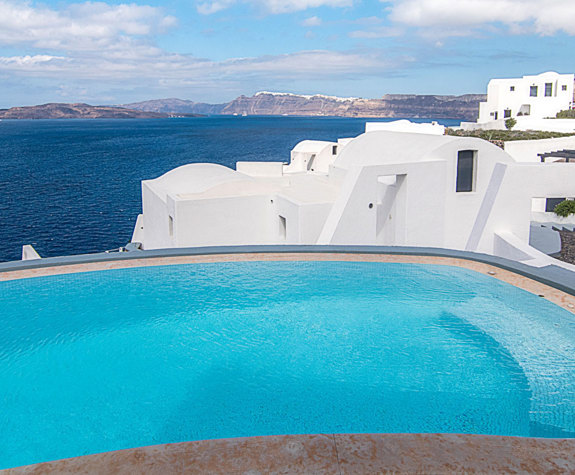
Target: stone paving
<point x="567" y="253"/>
<point x="336" y="454"/>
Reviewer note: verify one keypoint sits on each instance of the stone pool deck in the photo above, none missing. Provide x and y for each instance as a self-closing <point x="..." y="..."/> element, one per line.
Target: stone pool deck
<point x="329" y="454"/>
<point x="552" y="294"/>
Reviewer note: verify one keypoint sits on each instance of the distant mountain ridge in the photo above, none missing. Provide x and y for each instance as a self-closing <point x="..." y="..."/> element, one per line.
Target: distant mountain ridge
<point x="464" y="107"/>
<point x="76" y="111"/>
<point x="175" y="106"/>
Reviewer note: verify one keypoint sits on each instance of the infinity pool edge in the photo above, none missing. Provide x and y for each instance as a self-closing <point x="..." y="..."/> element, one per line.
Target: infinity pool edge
<point x="553" y="294"/>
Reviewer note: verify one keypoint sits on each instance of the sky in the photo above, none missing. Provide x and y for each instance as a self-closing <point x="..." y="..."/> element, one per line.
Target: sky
<point x="113" y="52"/>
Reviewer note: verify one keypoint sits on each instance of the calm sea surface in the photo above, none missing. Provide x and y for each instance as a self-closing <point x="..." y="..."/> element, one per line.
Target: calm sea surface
<point x="73" y="186"/>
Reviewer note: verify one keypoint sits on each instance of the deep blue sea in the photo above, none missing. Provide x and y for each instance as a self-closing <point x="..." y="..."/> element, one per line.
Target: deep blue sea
<point x="73" y="186"/>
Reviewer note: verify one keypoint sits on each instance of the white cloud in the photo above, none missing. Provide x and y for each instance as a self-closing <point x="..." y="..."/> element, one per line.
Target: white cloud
<point x="312" y="64"/>
<point x="272" y="6"/>
<point x="92" y="44"/>
<point x="207" y="8"/>
<point x="79" y="26"/>
<point x="544" y="17"/>
<point x="28" y="60"/>
<point x="97" y="79"/>
<point x="286" y="6"/>
<point x="164" y="68"/>
<point x="377" y="32"/>
<point x="311" y="21"/>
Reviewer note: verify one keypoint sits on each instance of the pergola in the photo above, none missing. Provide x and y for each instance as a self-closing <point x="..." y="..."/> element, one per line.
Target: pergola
<point x="566" y="155"/>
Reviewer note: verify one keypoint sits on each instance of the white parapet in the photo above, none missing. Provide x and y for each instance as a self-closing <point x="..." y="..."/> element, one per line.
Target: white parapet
<point x="138" y="234"/>
<point x="529" y="150"/>
<point x="260" y="168"/>
<point x="524" y="124"/>
<point x="404" y="125"/>
<point x="29" y="253"/>
<point x="511" y="247"/>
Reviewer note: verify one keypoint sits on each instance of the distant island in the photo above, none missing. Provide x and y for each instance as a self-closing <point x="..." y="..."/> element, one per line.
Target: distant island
<point x="77" y="111"/>
<point x="463" y="107"/>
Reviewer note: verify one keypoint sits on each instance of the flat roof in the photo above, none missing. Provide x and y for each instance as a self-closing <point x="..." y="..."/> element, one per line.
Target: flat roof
<point x="299" y="187"/>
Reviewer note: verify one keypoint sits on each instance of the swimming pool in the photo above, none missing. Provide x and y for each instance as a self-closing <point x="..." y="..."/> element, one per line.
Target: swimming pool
<point x="107" y="360"/>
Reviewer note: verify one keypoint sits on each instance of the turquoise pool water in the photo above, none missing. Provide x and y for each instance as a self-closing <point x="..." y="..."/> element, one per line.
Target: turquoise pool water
<point x="116" y="359"/>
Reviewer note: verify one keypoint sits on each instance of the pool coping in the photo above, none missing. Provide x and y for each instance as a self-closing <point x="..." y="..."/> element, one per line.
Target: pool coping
<point x="554" y="283"/>
<point x="553" y="275"/>
<point x="329" y="454"/>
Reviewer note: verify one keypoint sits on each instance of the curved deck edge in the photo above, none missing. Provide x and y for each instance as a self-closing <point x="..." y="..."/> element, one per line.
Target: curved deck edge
<point x="329" y="454"/>
<point x="562" y="295"/>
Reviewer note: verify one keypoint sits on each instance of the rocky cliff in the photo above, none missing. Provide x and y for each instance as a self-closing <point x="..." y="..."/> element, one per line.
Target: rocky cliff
<point x="464" y="107"/>
<point x="76" y="111"/>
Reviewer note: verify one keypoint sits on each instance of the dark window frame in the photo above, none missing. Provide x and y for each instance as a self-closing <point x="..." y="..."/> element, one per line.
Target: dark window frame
<point x="533" y="91"/>
<point x="548" y="89"/>
<point x="466" y="171"/>
<point x="550" y="203"/>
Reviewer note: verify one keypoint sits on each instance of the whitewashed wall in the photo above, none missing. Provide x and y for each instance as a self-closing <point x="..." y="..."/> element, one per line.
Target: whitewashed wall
<point x="528" y="150"/>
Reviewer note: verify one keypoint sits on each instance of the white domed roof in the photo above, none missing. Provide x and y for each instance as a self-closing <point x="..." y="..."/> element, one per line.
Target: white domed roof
<point x="382" y="147"/>
<point x="194" y="178"/>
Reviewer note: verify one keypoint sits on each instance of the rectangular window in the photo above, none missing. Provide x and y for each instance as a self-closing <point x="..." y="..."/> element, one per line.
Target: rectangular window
<point x="533" y="91"/>
<point x="334" y="150"/>
<point x="495" y="115"/>
<point x="548" y="89"/>
<point x="550" y="203"/>
<point x="564" y="87"/>
<point x="507" y="113"/>
<point x="512" y="88"/>
<point x="466" y="160"/>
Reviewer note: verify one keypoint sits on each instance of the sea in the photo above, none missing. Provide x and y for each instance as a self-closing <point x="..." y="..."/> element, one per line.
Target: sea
<point x="74" y="186"/>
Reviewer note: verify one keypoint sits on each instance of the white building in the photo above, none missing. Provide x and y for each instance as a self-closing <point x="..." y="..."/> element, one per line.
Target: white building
<point x="381" y="188"/>
<point x="531" y="100"/>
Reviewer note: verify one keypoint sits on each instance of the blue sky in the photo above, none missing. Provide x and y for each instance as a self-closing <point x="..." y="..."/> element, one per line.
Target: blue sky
<point x="114" y="52"/>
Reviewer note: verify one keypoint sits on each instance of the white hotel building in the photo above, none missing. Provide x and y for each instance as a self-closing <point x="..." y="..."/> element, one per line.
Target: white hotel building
<point x="538" y="96"/>
<point x="533" y="101"/>
<point x="398" y="184"/>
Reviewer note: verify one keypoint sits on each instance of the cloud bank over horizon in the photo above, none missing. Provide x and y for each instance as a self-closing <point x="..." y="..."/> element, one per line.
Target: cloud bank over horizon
<point x="518" y="16"/>
<point x="213" y="50"/>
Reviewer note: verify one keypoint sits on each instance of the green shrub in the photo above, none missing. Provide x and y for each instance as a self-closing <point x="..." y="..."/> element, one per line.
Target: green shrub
<point x="565" y="208"/>
<point x="568" y="114"/>
<point x="510" y="123"/>
<point x="506" y="135"/>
